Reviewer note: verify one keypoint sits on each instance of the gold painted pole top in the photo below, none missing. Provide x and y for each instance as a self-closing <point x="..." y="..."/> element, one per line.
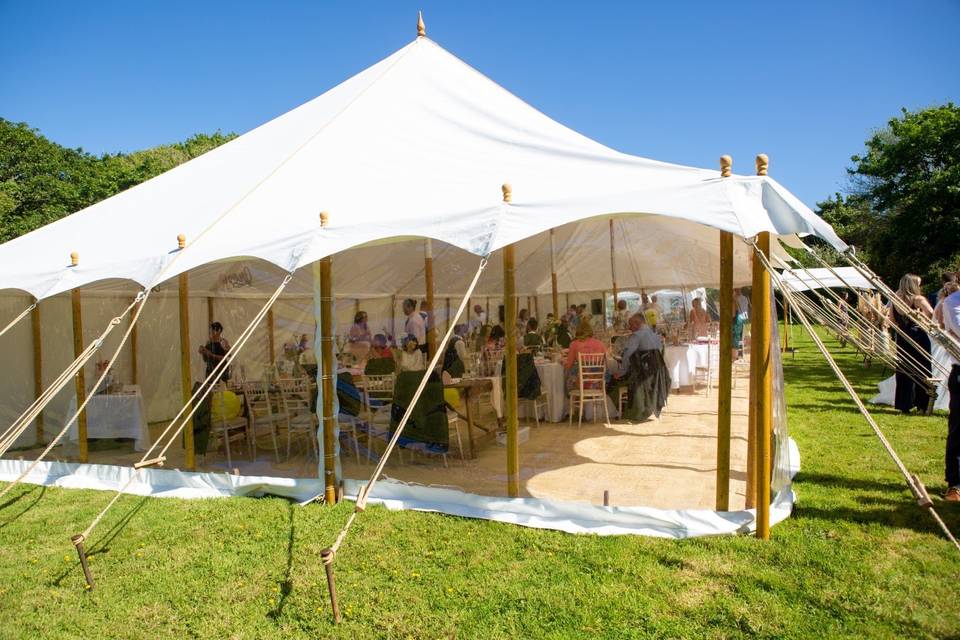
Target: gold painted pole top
<point x="324" y="218"/>
<point x="74" y="259"/>
<point x="421" y="28"/>
<point x="507" y="192"/>
<point x="763" y="163"/>
<point x="181" y="241"/>
<point x="726" y="166"/>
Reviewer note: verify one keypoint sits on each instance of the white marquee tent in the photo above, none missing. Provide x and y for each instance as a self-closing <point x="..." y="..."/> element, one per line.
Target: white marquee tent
<point x="416" y="146"/>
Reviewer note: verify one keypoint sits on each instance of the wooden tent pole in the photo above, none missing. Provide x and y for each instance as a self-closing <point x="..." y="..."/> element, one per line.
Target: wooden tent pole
<point x="510" y="357"/>
<point x="327" y="373"/>
<point x="37" y="364"/>
<point x="764" y="411"/>
<point x="613" y="277"/>
<point x="393" y="317"/>
<point x="554" y="292"/>
<point x="271" y="344"/>
<point x="428" y="283"/>
<point x="134" y="352"/>
<point x="448" y="314"/>
<point x="488" y="311"/>
<point x="80" y="382"/>
<point x="209" y="311"/>
<point x="186" y="379"/>
<point x="725" y="375"/>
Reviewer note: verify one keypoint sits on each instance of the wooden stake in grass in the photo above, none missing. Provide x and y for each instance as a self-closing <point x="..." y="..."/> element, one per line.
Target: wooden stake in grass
<point x="327" y="556"/>
<point x="77" y="541"/>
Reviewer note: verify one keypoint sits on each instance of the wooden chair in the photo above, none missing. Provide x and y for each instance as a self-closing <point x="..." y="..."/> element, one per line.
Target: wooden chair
<point x="232" y="430"/>
<point x="261" y="413"/>
<point x="592" y="385"/>
<point x="709" y="374"/>
<point x="295" y="394"/>
<point x="377" y="394"/>
<point x="543" y="400"/>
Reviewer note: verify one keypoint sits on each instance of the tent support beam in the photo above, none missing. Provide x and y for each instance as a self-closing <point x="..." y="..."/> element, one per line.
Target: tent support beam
<point x="134" y="365"/>
<point x="554" y="291"/>
<point x="327" y="388"/>
<point x="81" y="385"/>
<point x="271" y="345"/>
<point x="613" y="277"/>
<point x="37" y="364"/>
<point x="185" y="375"/>
<point x="725" y="375"/>
<point x="428" y="283"/>
<point x="762" y="368"/>
<point x="510" y="356"/>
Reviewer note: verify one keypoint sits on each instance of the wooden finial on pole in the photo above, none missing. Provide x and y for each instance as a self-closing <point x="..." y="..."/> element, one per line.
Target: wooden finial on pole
<point x="74" y="259"/>
<point x="421" y="28"/>
<point x="726" y="166"/>
<point x="507" y="192"/>
<point x="763" y="162"/>
<point x="181" y="241"/>
<point x="324" y="218"/>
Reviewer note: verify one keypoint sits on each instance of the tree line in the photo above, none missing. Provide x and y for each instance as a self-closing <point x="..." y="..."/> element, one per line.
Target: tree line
<point x="901" y="210"/>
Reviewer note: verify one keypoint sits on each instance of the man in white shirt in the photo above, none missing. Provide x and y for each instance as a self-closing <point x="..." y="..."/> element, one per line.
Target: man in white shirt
<point x="479" y="320"/>
<point x="415" y="325"/>
<point x="951" y="324"/>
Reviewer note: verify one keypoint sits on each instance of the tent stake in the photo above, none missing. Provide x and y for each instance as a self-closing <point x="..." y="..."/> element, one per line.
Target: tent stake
<point x="77" y="541"/>
<point x="327" y="556"/>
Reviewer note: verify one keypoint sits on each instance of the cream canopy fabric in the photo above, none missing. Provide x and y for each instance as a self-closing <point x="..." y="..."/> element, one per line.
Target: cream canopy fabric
<point x="419" y="144"/>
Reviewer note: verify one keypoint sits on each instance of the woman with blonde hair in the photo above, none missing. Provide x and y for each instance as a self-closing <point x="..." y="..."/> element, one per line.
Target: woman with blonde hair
<point x="913" y="347"/>
<point x="583" y="343"/>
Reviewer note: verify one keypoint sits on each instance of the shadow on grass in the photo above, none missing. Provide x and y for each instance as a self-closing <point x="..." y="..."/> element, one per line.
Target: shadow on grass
<point x="286" y="585"/>
<point x="19" y="497"/>
<point x="897" y="510"/>
<point x="103" y="545"/>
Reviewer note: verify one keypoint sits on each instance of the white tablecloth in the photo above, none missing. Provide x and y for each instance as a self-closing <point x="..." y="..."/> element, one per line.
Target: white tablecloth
<point x="682" y="362"/>
<point x="114" y="415"/>
<point x="552" y="383"/>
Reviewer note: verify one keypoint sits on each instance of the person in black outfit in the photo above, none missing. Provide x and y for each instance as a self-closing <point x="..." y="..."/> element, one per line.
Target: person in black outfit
<point x="913" y="349"/>
<point x="216" y="350"/>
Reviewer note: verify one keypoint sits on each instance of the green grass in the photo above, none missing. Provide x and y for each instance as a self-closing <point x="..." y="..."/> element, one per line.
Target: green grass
<point x="857" y="559"/>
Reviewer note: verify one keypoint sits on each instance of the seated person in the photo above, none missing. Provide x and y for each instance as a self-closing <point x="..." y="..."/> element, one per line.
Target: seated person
<point x="642" y="371"/>
<point x="641" y="338"/>
<point x="411" y="358"/>
<point x="584" y="343"/>
<point x="381" y="361"/>
<point x="456" y="354"/>
<point x="564" y="336"/>
<point x="532" y="338"/>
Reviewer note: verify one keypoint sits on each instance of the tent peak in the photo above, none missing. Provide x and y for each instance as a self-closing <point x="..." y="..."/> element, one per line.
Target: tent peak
<point x="421" y="28"/>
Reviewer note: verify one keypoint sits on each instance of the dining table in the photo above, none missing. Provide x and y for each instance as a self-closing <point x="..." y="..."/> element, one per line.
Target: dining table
<point x="682" y="361"/>
<point x="470" y="389"/>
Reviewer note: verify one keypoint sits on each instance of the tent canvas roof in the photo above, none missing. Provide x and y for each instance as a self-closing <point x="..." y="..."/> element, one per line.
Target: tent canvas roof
<point x="416" y="145"/>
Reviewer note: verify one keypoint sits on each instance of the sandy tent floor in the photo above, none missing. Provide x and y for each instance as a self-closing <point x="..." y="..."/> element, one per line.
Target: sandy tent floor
<point x="667" y="463"/>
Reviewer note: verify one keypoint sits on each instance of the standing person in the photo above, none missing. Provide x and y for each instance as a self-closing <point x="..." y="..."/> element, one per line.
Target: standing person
<point x="215" y="350"/>
<point x="479" y="320"/>
<point x="415" y="324"/>
<point x="699" y="320"/>
<point x="742" y="303"/>
<point x="950" y="310"/>
<point x="913" y="350"/>
<point x="532" y="337"/>
<point x="620" y="316"/>
<point x="739" y="320"/>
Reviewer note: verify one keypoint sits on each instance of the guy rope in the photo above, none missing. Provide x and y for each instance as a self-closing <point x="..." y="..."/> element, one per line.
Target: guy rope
<point x="18" y="318"/>
<point x="328" y="554"/>
<point x="199" y="395"/>
<point x="916" y="487"/>
<point x="139" y="301"/>
<point x="21" y="423"/>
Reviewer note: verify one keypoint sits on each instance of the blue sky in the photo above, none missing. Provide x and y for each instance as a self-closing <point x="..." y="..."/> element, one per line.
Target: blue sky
<point x="804" y="82"/>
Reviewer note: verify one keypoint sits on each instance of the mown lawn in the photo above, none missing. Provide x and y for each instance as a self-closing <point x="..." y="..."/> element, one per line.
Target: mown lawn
<point x="857" y="559"/>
